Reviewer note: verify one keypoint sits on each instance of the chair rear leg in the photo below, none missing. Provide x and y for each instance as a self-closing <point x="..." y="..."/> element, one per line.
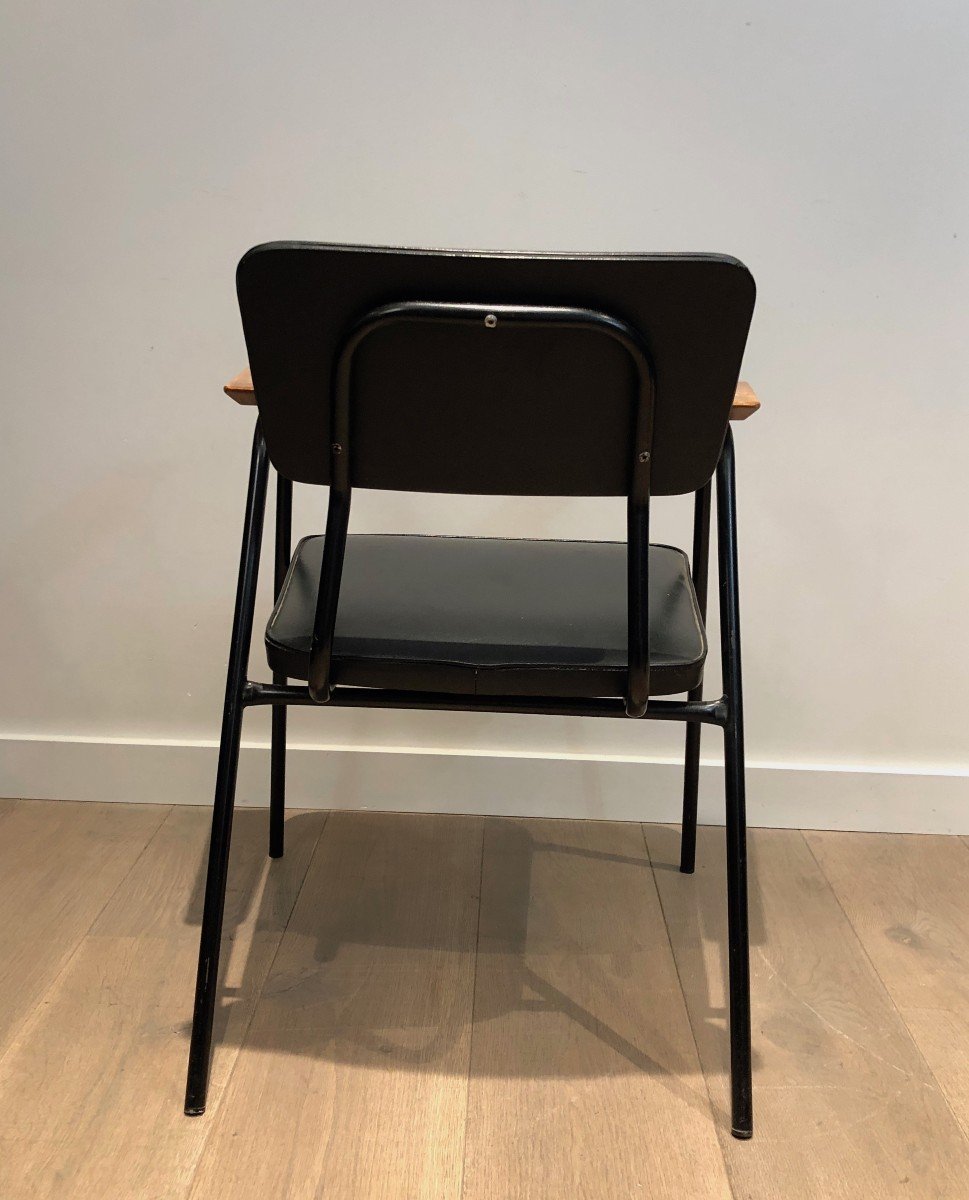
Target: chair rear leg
<point x="207" y="980"/>
<point x="741" y="1086"/>
<point x="691" y="772"/>
<point x="737" y="919"/>
<point x="691" y="786"/>
<point x="277" y="769"/>
<point x="277" y="785"/>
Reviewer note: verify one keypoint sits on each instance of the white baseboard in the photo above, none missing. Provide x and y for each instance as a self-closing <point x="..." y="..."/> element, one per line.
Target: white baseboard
<point x="430" y="780"/>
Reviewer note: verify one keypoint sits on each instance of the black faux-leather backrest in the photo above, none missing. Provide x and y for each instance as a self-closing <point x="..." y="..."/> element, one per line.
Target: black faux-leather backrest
<point x="512" y="412"/>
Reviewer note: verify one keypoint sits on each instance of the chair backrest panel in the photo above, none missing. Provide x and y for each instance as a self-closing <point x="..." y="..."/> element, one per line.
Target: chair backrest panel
<point x="510" y="410"/>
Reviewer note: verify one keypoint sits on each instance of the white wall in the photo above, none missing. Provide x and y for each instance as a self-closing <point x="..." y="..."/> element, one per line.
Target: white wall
<point x="148" y="145"/>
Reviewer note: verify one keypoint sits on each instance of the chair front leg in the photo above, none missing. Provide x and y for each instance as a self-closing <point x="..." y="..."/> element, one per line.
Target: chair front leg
<point x="207" y="981"/>
<point x="737" y="918"/>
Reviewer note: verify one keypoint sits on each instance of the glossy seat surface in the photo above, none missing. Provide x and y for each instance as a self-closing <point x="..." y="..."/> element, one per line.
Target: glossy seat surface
<point x="488" y="616"/>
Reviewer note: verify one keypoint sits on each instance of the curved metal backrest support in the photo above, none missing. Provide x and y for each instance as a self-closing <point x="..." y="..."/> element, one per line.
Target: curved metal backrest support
<point x="488" y="318"/>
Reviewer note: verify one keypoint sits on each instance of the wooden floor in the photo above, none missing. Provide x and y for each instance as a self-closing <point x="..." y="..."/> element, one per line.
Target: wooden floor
<point x="482" y="1008"/>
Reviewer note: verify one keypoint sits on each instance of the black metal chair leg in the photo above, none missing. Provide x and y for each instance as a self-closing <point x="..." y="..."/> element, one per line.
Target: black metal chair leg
<point x="206" y="987"/>
<point x="691" y="771"/>
<point x="277" y="770"/>
<point x="737" y="919"/>
<point x="738" y="938"/>
<point x="277" y="783"/>
<point x="691" y="787"/>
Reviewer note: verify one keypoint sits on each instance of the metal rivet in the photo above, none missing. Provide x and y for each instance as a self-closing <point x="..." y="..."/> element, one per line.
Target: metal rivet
<point x="644" y="456"/>
<point x="491" y="320"/>
<point x="337" y="448"/>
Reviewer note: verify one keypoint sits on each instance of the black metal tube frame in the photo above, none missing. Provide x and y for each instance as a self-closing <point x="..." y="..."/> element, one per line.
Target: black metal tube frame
<point x="488" y="318"/>
<point x="726" y="712"/>
<point x="734" y="785"/>
<point x="206" y="985"/>
<point x="277" y="769"/>
<point x="711" y="712"/>
<point x="691" y="770"/>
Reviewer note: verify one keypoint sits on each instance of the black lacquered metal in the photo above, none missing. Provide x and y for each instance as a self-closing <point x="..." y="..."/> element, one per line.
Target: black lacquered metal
<point x="206" y="986"/>
<point x="691" y="771"/>
<point x="737" y="920"/>
<point x="711" y="712"/>
<point x="277" y="769"/>
<point x="487" y="318"/>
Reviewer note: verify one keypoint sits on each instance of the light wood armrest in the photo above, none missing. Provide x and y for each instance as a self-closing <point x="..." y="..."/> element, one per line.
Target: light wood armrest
<point x="240" y="388"/>
<point x="745" y="403"/>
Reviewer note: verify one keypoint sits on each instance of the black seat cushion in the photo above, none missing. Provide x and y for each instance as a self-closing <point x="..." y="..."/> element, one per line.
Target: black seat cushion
<point x="488" y="616"/>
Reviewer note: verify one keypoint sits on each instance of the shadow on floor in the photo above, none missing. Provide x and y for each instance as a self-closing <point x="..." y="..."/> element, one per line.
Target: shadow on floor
<point x="390" y="977"/>
<point x="697" y="909"/>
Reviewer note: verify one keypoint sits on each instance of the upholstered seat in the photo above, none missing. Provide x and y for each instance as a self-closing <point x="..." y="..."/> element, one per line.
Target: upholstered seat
<point x="488" y="616"/>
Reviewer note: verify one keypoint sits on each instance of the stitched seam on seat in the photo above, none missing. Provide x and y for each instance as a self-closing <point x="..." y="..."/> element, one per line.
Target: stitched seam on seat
<point x="287" y="583"/>
<point x="394" y="665"/>
<point x="697" y="618"/>
<point x="548" y="668"/>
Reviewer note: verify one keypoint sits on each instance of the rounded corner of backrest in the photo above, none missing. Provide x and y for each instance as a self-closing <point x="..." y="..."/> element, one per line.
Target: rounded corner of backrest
<point x="250" y="265"/>
<point x="744" y="274"/>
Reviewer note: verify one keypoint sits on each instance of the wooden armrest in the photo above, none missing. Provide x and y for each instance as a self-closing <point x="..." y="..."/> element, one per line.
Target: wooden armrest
<point x="745" y="403"/>
<point x="240" y="388"/>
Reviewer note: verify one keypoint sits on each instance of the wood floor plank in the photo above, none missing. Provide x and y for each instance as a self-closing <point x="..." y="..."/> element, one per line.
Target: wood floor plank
<point x="91" y="1090"/>
<point x="844" y="1105"/>
<point x="352" y="1083"/>
<point x="59" y="864"/>
<point x="585" y="1081"/>
<point x="907" y="900"/>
